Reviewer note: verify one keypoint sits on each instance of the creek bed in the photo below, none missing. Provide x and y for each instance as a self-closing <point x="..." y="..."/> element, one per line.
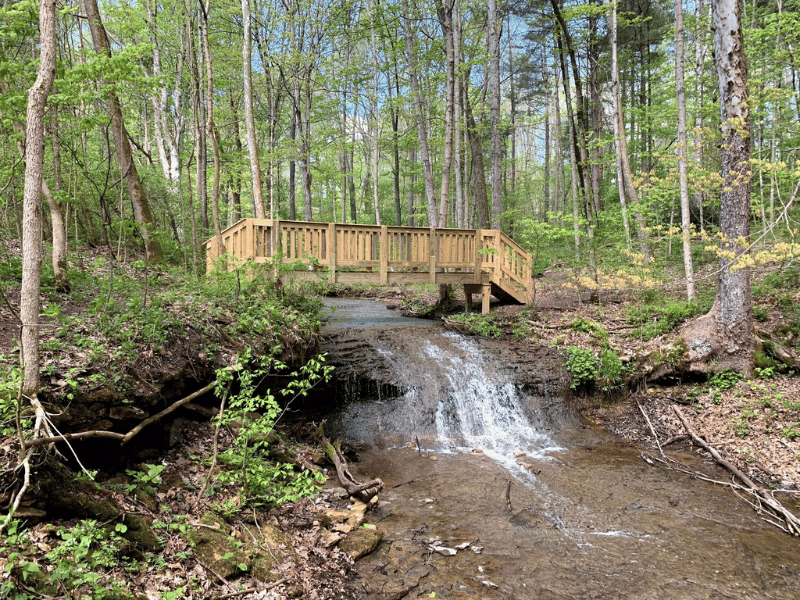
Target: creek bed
<point x="588" y="517"/>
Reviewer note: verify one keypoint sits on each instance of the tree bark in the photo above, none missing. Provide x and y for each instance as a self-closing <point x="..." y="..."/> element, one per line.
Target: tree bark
<point x="493" y="42"/>
<point x="723" y="338"/>
<point x="250" y="123"/>
<point x="141" y="206"/>
<point x="32" y="198"/>
<point x="680" y="92"/>
<point x="211" y="128"/>
<point x="422" y="130"/>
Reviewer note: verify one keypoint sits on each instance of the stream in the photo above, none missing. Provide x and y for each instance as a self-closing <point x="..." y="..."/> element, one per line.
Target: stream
<point x="494" y="488"/>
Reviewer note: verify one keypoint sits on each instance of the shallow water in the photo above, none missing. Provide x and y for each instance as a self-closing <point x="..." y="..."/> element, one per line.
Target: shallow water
<point x="588" y="517"/>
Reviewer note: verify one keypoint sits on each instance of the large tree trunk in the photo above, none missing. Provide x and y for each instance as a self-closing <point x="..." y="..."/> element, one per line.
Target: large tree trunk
<point x="723" y="338"/>
<point x="141" y="206"/>
<point x="32" y="198"/>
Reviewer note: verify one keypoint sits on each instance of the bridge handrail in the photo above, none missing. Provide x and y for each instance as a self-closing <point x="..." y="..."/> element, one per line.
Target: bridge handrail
<point x="376" y="248"/>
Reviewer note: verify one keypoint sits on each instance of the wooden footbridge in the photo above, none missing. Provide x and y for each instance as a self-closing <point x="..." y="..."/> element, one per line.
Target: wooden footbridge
<point x="482" y="260"/>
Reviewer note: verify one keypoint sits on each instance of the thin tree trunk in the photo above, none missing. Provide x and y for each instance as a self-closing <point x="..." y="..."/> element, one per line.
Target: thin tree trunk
<point x="422" y="130"/>
<point x="619" y="133"/>
<point x="478" y="174"/>
<point x="680" y="92"/>
<point x="141" y="207"/>
<point x="211" y="128"/>
<point x="444" y="11"/>
<point x="32" y="198"/>
<point x="493" y="43"/>
<point x="250" y="123"/>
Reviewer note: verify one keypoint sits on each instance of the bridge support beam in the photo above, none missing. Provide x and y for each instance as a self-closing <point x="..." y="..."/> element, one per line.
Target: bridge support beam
<point x="475" y="288"/>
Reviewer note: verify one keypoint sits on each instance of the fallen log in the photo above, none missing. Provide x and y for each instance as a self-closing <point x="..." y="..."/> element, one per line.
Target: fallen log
<point x="790" y="520"/>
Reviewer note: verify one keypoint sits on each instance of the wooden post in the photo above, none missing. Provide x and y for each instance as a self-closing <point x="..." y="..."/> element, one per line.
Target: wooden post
<point x="478" y="256"/>
<point x="487" y="295"/>
<point x="432" y="253"/>
<point x="332" y="244"/>
<point x="384" y="255"/>
<point x="498" y="263"/>
<point x="273" y="244"/>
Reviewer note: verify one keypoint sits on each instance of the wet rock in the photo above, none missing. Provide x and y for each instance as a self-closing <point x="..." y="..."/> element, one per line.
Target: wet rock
<point x="361" y="542"/>
<point x="444" y="550"/>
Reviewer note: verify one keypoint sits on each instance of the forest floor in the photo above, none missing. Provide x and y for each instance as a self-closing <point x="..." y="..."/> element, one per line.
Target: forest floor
<point x="754" y="424"/>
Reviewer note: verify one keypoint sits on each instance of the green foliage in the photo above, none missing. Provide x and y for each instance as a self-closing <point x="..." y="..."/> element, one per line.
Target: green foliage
<point x="594" y="329"/>
<point x="611" y="371"/>
<point x="10" y="380"/>
<point x="146" y="482"/>
<point x="254" y="416"/>
<point x="651" y="320"/>
<point x="474" y="324"/>
<point x="86" y="551"/>
<point x="760" y="313"/>
<point x="582" y="366"/>
<point x="725" y="380"/>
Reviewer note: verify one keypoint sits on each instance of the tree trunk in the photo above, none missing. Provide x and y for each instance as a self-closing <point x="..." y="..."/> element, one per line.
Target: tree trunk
<point x="32" y="198"/>
<point x="725" y="334"/>
<point x="422" y="130"/>
<point x="618" y="122"/>
<point x="141" y="206"/>
<point x="478" y="175"/>
<point x="444" y="11"/>
<point x="250" y="123"/>
<point x="211" y="128"/>
<point x="493" y="43"/>
<point x="680" y="92"/>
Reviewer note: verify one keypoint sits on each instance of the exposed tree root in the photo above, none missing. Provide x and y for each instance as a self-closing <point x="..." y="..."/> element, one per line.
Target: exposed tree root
<point x="363" y="491"/>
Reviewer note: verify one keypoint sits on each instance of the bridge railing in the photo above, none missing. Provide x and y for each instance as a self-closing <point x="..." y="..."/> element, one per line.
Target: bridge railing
<point x="375" y="248"/>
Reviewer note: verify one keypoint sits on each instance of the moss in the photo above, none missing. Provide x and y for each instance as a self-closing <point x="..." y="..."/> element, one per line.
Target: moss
<point x="361" y="542"/>
<point x="764" y="361"/>
<point x="141" y="534"/>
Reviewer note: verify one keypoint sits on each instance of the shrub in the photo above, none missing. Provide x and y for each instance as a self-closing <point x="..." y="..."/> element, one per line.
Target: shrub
<point x="611" y="370"/>
<point x="582" y="366"/>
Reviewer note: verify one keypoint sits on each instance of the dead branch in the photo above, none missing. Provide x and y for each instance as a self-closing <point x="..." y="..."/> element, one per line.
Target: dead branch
<point x="166" y="411"/>
<point x="650" y="425"/>
<point x="216" y="445"/>
<point x="84" y="435"/>
<point x="791" y="521"/>
<point x="676" y="438"/>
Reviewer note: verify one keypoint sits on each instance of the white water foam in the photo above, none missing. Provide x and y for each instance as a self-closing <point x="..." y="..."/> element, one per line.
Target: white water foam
<point x="479" y="412"/>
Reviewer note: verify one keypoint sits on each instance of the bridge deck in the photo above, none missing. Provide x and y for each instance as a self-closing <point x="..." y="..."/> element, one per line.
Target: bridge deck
<point x="483" y="260"/>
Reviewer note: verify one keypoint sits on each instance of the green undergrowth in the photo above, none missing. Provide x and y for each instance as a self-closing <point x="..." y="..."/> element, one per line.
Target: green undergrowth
<point x="655" y="317"/>
<point x="119" y="316"/>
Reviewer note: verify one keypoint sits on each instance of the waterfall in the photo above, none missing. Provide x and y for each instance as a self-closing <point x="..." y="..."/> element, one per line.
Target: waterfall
<point x="479" y="410"/>
<point x="447" y="394"/>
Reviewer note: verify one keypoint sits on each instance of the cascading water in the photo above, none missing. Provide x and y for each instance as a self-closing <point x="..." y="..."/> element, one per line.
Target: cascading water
<point x="596" y="521"/>
<point x="480" y="411"/>
<point x="449" y="395"/>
